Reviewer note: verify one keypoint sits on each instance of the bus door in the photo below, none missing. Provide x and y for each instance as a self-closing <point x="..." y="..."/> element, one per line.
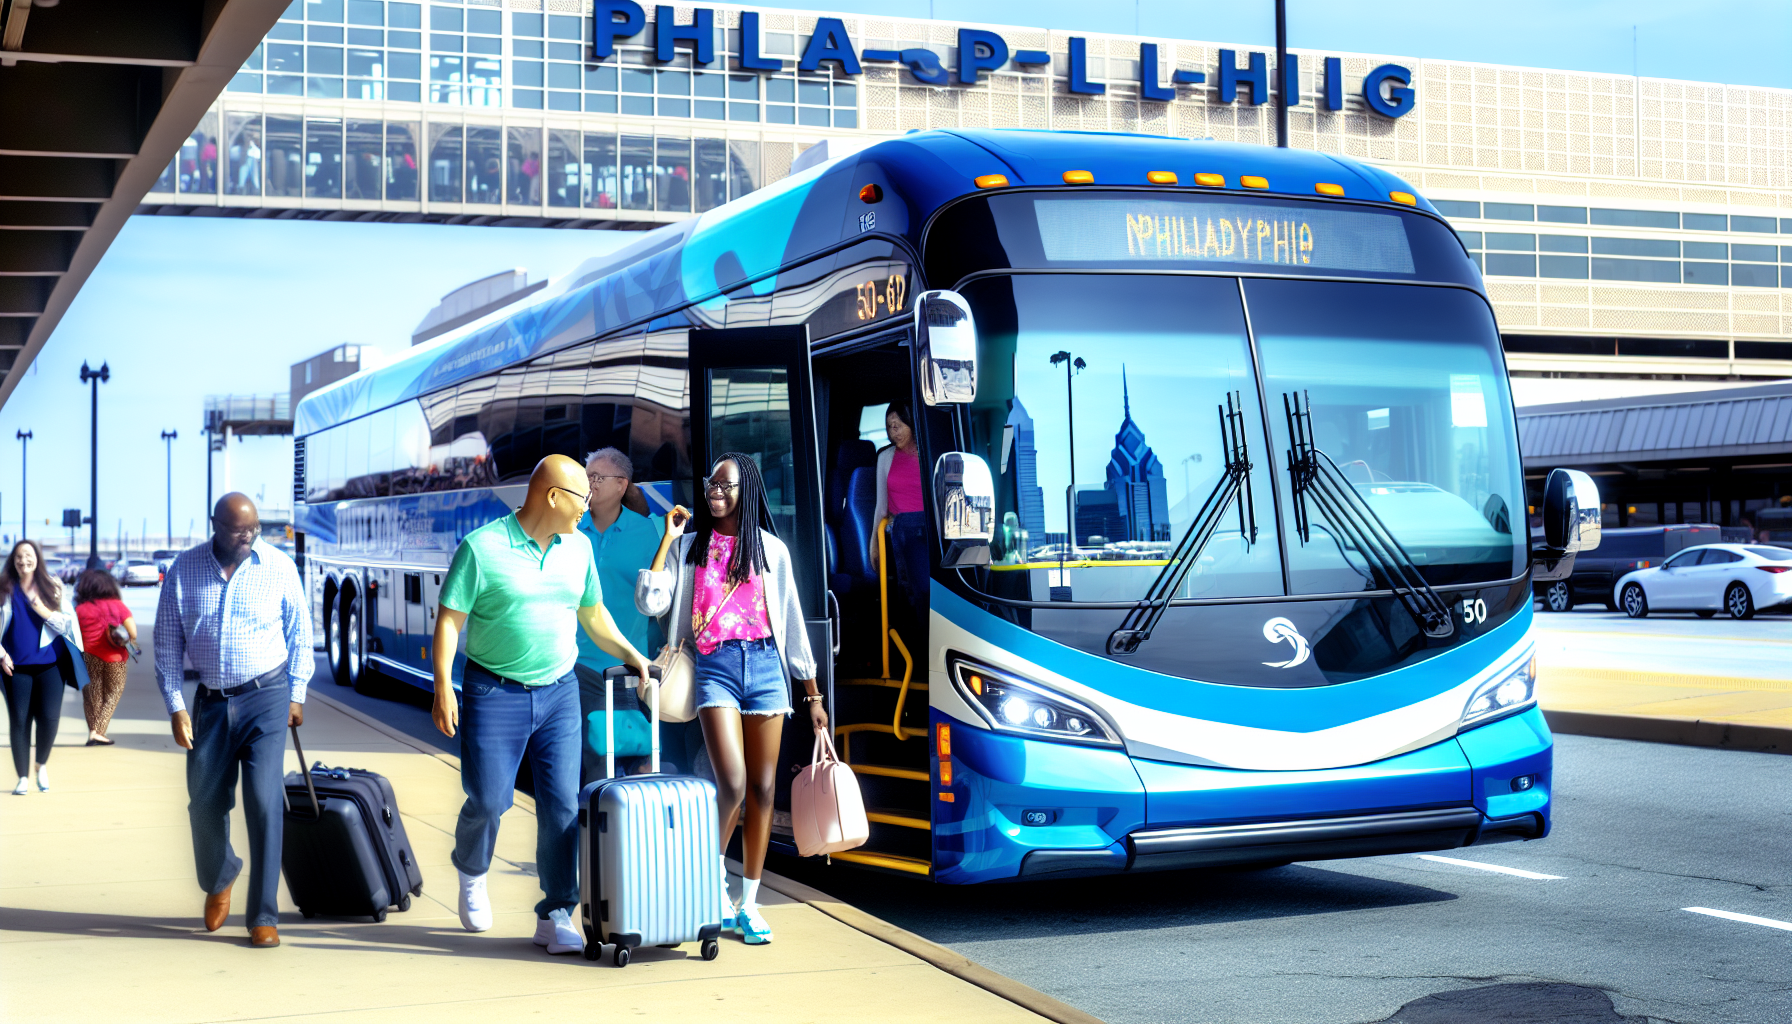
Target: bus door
<point x="752" y="391"/>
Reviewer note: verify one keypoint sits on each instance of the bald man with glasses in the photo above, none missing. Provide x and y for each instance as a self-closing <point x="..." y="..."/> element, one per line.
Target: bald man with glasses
<point x="521" y="586"/>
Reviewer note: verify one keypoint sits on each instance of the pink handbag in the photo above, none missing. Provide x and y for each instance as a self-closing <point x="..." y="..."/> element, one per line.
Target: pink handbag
<point x="827" y="814"/>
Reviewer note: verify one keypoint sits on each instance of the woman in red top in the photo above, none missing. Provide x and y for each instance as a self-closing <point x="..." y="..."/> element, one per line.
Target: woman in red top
<point x="99" y="607"/>
<point x="899" y="497"/>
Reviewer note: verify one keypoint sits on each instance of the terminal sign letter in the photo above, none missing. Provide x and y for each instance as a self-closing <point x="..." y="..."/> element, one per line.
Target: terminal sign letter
<point x="606" y="29"/>
<point x="1399" y="97"/>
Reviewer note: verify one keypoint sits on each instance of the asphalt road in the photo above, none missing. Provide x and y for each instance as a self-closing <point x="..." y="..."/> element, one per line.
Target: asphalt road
<point x="1642" y="831"/>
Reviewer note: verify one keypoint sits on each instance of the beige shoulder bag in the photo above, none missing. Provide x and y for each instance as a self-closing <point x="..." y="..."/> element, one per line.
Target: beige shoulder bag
<point x="678" y="671"/>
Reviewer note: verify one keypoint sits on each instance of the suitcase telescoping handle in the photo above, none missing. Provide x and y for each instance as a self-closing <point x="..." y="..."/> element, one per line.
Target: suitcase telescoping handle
<point x="317" y="809"/>
<point x="653" y="722"/>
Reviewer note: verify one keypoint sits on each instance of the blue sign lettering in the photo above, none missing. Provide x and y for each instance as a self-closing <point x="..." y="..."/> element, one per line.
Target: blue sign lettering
<point x="1399" y="96"/>
<point x="830" y="42"/>
<point x="700" y="33"/>
<point x="1334" y="83"/>
<point x="750" y="60"/>
<point x="979" y="51"/>
<point x="1257" y="77"/>
<point x="605" y="29"/>
<point x="1148" y="87"/>
<point x="1079" y="69"/>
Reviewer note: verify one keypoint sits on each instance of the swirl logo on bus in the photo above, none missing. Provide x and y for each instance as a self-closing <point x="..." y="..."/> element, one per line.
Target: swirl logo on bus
<point x="1234" y="239"/>
<point x="1279" y="630"/>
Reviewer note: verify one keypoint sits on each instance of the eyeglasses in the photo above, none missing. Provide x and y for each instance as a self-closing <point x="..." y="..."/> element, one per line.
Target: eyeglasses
<point x="598" y="478"/>
<point x="246" y="531"/>
<point x="718" y="487"/>
<point x="584" y="499"/>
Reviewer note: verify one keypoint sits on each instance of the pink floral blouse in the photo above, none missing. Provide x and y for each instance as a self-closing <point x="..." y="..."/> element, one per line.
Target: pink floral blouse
<point x="742" y="616"/>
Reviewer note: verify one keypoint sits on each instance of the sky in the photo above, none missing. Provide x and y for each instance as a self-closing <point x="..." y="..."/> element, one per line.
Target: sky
<point x="182" y="307"/>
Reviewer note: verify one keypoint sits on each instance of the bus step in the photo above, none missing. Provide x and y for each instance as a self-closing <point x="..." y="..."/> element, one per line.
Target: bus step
<point x="889" y="862"/>
<point x="890" y="816"/>
<point x="894" y="684"/>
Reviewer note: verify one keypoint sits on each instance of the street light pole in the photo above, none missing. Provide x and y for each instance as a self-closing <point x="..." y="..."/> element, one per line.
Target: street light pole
<point x="1070" y="410"/>
<point x="24" y="482"/>
<point x="93" y="510"/>
<point x="168" y="437"/>
<point x="1282" y="73"/>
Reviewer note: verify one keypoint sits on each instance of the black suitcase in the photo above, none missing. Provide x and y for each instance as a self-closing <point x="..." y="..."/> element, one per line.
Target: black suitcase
<point x="345" y="852"/>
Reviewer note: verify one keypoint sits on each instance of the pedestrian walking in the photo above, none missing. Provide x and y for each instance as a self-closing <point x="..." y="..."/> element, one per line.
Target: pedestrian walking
<point x="733" y="597"/>
<point x="37" y="631"/>
<point x="103" y="615"/>
<point x="235" y="607"/>
<point x="521" y="585"/>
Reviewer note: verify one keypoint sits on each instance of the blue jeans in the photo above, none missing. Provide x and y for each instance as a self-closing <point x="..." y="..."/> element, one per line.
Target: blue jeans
<point x="747" y="675"/>
<point x="248" y="726"/>
<point x="500" y="722"/>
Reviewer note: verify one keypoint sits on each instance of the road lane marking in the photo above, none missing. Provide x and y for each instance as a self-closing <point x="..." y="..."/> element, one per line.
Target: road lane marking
<point x="1765" y="922"/>
<point x="1520" y="872"/>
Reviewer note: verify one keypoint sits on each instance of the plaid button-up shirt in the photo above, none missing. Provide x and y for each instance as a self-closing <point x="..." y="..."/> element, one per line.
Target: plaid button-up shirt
<point x="232" y="630"/>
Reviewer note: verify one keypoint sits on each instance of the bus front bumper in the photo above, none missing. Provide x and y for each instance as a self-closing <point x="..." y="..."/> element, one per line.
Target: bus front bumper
<point x="1030" y="809"/>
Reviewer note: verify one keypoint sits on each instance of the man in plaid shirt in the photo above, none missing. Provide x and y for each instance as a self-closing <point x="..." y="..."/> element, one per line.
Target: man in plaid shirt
<point x="235" y="607"/>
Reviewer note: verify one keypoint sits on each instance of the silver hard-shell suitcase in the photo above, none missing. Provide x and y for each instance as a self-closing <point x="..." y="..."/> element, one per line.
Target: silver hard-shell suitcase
<point x="650" y="868"/>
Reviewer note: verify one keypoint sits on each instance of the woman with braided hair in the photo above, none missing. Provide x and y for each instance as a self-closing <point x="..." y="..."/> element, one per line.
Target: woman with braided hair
<point x="733" y="598"/>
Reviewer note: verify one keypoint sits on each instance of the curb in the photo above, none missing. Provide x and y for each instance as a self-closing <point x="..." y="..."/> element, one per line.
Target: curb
<point x="955" y="964"/>
<point x="1690" y="732"/>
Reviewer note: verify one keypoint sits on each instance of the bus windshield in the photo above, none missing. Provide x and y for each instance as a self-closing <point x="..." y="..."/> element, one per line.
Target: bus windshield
<point x="1116" y="381"/>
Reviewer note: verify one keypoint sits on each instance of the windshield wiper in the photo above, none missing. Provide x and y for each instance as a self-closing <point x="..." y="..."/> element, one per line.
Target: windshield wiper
<point x="1136" y="628"/>
<point x="1317" y="478"/>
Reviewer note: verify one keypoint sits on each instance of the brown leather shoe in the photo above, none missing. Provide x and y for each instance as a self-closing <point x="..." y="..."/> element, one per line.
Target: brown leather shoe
<point x="217" y="908"/>
<point x="264" y="936"/>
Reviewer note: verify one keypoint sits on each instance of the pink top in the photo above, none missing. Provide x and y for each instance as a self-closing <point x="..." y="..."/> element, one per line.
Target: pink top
<point x="903" y="485"/>
<point x="739" y="615"/>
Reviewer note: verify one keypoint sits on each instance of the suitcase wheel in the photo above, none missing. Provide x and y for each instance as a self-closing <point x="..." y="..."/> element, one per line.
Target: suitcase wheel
<point x="621" y="956"/>
<point x="711" y="949"/>
<point x="594" y="951"/>
<point x="380" y="915"/>
<point x="404" y="902"/>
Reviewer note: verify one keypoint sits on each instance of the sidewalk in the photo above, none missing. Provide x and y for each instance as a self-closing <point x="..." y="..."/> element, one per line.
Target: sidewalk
<point x="1643" y="686"/>
<point x="99" y="917"/>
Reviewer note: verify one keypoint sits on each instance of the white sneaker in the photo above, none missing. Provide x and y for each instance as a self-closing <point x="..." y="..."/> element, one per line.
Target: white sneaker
<point x="475" y="906"/>
<point x="559" y="934"/>
<point x="23" y="787"/>
<point x="43" y="777"/>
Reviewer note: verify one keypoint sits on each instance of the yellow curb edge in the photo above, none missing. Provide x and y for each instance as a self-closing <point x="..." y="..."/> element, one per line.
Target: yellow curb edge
<point x="1691" y="732"/>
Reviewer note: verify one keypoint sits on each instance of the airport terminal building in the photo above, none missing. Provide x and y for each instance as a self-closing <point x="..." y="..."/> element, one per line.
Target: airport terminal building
<point x="1635" y="233"/>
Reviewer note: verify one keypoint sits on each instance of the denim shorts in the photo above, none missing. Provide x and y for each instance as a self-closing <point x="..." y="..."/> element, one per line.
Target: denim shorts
<point x="743" y="674"/>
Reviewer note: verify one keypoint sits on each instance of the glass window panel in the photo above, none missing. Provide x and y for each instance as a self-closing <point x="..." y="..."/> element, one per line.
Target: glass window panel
<point x="637" y="106"/>
<point x="367" y="63"/>
<point x="846" y="118"/>
<point x="525" y="25"/>
<point x="672" y="175"/>
<point x="1470" y="239"/>
<point x="1562" y="243"/>
<point x="401" y="162"/>
<point x="564" y="26"/>
<point x="199" y="157"/>
<point x="485" y="44"/>
<point x="1764" y="225"/>
<point x="323" y="158"/>
<point x="563" y="76"/>
<point x="442" y="42"/>
<point x="565" y="184"/>
<point x="254" y="61"/>
<point x="711" y="86"/>
<point x="446" y="19"/>
<point x="323" y="60"/>
<point x="743" y="111"/>
<point x="406" y="40"/>
<point x="846" y="94"/>
<point x="670" y="107"/>
<point x="366" y="169"/>
<point x="485" y="164"/>
<point x="1705" y="222"/>
<point x="1457" y="208"/>
<point x="601" y="78"/>
<point x="743" y="87"/>
<point x="1655" y="271"/>
<point x="563" y="101"/>
<point x="600" y="170"/>
<point x="714" y="110"/>
<point x="526" y="99"/>
<point x="1511" y="265"/>
<point x="444" y="163"/>
<point x="1753" y="253"/>
<point x="813" y="93"/>
<point x="484" y="75"/>
<point x="522" y="165"/>
<point x="812" y="116"/>
<point x="404" y="15"/>
<point x="566" y="51"/>
<point x="444" y="75"/>
<point x="637" y="80"/>
<point x="323" y="88"/>
<point x="286" y="85"/>
<point x="527" y="72"/>
<point x="323" y="10"/>
<point x="1562" y="214"/>
<point x="780" y="90"/>
<point x="285" y="156"/>
<point x="366" y="12"/>
<point x="780" y="115"/>
<point x="1636" y="247"/>
<point x="637" y="172"/>
<point x="485" y="22"/>
<point x="404" y="65"/>
<point x="324" y="33"/>
<point x="674" y="83"/>
<point x="743" y="168"/>
<point x="530" y="48"/>
<point x="242" y="176"/>
<point x="1574" y="267"/>
<point x="282" y="30"/>
<point x="289" y="57"/>
<point x="600" y="103"/>
<point x="1705" y="250"/>
<point x="1634" y="219"/>
<point x="1754" y="275"/>
<point x="1519" y="243"/>
<point x="1508" y="211"/>
<point x="295" y="11"/>
<point x="1706" y="273"/>
<point x="709" y="167"/>
<point x="404" y="92"/>
<point x="366" y="37"/>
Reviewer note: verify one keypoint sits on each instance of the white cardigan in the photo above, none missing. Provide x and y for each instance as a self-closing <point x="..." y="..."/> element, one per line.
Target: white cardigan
<point x="61" y="623"/>
<point x="657" y="593"/>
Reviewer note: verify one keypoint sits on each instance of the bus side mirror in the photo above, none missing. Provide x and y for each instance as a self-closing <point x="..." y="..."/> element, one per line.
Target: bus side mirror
<point x="1571" y="522"/>
<point x="965" y="495"/>
<point x="946" y="340"/>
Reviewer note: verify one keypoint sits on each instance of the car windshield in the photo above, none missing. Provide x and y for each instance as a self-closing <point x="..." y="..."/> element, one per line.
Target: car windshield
<point x="1408" y="398"/>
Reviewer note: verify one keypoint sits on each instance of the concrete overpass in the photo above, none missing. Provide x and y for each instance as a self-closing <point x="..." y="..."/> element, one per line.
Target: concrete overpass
<point x="98" y="95"/>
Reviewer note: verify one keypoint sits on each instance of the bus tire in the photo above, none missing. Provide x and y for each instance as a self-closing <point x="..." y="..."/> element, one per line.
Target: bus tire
<point x="332" y="636"/>
<point x="354" y="655"/>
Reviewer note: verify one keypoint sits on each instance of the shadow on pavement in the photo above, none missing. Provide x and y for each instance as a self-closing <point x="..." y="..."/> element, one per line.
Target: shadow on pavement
<point x="1143" y="902"/>
<point x="1517" y="1003"/>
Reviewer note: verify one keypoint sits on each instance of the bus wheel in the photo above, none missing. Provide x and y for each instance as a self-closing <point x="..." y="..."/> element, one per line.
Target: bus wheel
<point x="1558" y="598"/>
<point x="332" y="638"/>
<point x="352" y="654"/>
<point x="1636" y="603"/>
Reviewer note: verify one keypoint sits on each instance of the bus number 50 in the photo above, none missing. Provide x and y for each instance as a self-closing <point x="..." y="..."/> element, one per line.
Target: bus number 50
<point x="1474" y="612"/>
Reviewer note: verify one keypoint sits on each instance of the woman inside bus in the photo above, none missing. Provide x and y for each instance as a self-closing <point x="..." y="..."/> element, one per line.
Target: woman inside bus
<point x="733" y="598"/>
<point x="899" y="496"/>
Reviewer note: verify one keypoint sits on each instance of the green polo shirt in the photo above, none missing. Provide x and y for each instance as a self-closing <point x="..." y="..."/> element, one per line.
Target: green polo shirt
<point x="521" y="602"/>
<point x="621" y="552"/>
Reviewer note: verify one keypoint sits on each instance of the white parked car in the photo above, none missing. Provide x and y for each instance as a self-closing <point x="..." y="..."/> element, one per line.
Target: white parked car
<point x="137" y="573"/>
<point x="1736" y="579"/>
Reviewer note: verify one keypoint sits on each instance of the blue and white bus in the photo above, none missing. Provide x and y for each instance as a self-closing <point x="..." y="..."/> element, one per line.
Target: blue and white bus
<point x="1319" y="646"/>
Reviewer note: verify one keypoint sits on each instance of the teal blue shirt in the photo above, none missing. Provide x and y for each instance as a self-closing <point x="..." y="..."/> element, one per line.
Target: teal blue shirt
<point x="621" y="552"/>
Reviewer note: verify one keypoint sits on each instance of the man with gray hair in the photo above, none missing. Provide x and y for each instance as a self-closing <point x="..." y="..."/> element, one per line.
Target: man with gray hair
<point x="623" y="542"/>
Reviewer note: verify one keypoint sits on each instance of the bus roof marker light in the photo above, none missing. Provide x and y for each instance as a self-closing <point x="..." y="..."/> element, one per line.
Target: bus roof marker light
<point x="1253" y="181"/>
<point x="1326" y="188"/>
<point x="1404" y="198"/>
<point x="1210" y="180"/>
<point x="990" y="181"/>
<point x="1161" y="177"/>
<point x="1078" y="178"/>
<point x="871" y="193"/>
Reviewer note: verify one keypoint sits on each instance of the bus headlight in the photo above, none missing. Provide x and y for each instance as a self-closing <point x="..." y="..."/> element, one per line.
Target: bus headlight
<point x="1504" y="694"/>
<point x="1012" y="704"/>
